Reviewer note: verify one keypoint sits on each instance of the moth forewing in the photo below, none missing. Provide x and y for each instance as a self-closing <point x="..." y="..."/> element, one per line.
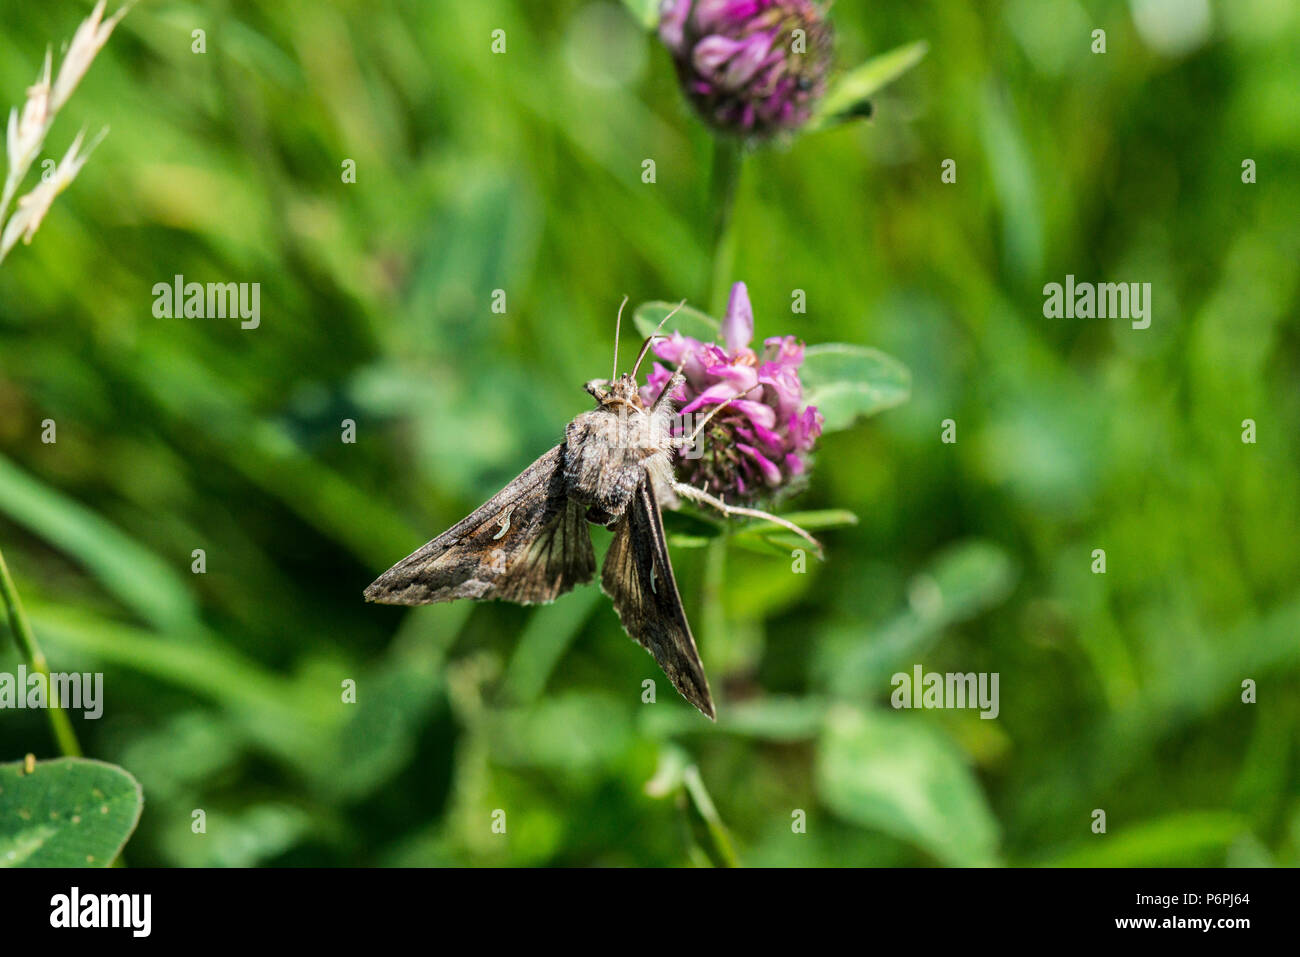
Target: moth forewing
<point x="529" y="543"/>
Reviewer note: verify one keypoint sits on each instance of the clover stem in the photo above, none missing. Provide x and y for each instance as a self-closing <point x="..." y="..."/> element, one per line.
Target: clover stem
<point x="724" y="180"/>
<point x="713" y="821"/>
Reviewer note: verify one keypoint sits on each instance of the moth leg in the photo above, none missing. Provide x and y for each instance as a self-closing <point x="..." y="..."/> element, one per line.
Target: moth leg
<point x="686" y="442"/>
<point x="699" y="495"/>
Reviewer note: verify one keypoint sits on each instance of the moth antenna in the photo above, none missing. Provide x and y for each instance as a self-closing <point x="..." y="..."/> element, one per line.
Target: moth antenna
<point x="645" y="346"/>
<point x="618" y="324"/>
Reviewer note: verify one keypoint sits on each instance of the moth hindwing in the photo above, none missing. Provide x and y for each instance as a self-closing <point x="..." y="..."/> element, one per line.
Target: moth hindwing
<point x="638" y="577"/>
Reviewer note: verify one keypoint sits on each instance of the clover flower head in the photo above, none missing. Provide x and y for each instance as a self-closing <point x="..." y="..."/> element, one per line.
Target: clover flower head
<point x="759" y="443"/>
<point x="750" y="67"/>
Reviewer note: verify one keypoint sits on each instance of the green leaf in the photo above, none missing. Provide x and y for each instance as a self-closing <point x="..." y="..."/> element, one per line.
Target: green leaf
<point x="771" y="539"/>
<point x="69" y="812"/>
<point x="551" y="630"/>
<point x="899" y="774"/>
<point x="849" y="93"/>
<point x="1183" y="839"/>
<point x="816" y="519"/>
<point x="965" y="580"/>
<point x="279" y="713"/>
<point x="141" y="580"/>
<point x="381" y="736"/>
<point x="243" y="838"/>
<point x="688" y="321"/>
<point x="846" y="382"/>
<point x="774" y="718"/>
<point x="572" y="732"/>
<point x="646" y="12"/>
<point x="756" y="536"/>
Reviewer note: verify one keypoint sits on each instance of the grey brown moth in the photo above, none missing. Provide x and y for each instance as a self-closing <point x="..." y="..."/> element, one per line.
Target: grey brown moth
<point x="530" y="543"/>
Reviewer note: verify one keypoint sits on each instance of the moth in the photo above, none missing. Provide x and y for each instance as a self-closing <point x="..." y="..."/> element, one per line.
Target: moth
<point x="530" y="543"/>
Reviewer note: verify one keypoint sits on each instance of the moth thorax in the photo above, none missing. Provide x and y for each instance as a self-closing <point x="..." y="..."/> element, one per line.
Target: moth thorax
<point x="647" y="430"/>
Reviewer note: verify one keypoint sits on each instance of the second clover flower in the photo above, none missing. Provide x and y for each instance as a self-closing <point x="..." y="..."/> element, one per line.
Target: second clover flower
<point x="753" y="68"/>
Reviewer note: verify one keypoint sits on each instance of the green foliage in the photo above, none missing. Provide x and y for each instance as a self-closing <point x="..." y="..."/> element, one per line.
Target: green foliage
<point x="762" y="536"/>
<point x="904" y="777"/>
<point x="139" y="579"/>
<point x="685" y="319"/>
<point x="1172" y="841"/>
<point x="646" y="12"/>
<point x="848" y="382"/>
<point x="965" y="579"/>
<point x="850" y="94"/>
<point x="69" y="812"/>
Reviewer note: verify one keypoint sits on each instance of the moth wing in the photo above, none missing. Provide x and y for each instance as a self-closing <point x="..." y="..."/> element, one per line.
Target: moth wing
<point x="638" y="578"/>
<point x="528" y="544"/>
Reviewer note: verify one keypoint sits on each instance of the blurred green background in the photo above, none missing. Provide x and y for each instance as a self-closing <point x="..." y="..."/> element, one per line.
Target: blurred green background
<point x="522" y="172"/>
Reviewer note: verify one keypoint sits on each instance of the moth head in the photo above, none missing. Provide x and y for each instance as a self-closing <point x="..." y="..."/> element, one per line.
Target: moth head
<point x="620" y="391"/>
